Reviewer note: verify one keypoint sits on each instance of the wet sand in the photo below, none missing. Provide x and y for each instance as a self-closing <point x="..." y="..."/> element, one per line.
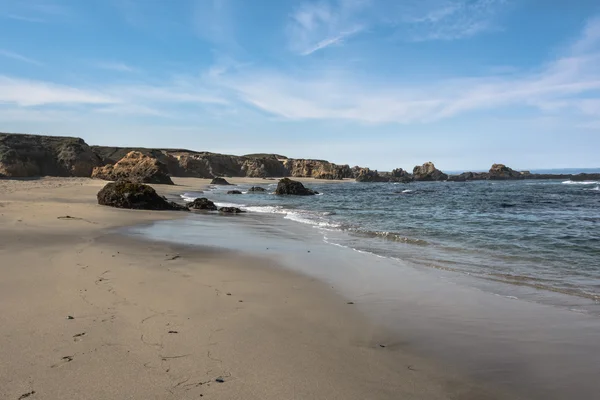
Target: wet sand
<point x="88" y="313"/>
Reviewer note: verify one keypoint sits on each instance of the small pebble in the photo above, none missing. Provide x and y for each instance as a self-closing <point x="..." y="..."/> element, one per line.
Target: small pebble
<point x="173" y="332"/>
<point x="70" y="317"/>
<point x="382" y="345"/>
<point x="220" y="380"/>
<point x="350" y="302"/>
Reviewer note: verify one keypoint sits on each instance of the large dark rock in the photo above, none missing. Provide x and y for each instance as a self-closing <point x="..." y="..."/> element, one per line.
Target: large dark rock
<point x="135" y="167"/>
<point x="219" y="181"/>
<point x="287" y="186"/>
<point x="202" y="204"/>
<point x="231" y="210"/>
<point x="234" y="192"/>
<point x="501" y="172"/>
<point x="23" y="156"/>
<point x="256" y="189"/>
<point x="135" y="196"/>
<point x="428" y="172"/>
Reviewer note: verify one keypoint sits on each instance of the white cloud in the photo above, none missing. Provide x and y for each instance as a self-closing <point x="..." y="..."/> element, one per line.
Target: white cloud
<point x="18" y="57"/>
<point x="556" y="86"/>
<point x="116" y="66"/>
<point x="33" y="93"/>
<point x="317" y="25"/>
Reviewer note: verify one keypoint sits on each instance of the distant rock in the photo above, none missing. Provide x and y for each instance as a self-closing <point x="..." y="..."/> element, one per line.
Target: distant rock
<point x="287" y="186"/>
<point x="135" y="167"/>
<point x="24" y="156"/>
<point x="231" y="210"/>
<point x="134" y="196"/>
<point x="234" y="192"/>
<point x="367" y="175"/>
<point x="256" y="189"/>
<point x="585" y="177"/>
<point x="502" y="172"/>
<point x="464" y="177"/>
<point x="219" y="181"/>
<point x="428" y="172"/>
<point x="400" y="175"/>
<point x="202" y="204"/>
<point x="318" y="169"/>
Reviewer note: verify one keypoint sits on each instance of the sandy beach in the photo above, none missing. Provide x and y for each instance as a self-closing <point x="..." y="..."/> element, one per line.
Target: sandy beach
<point x="87" y="313"/>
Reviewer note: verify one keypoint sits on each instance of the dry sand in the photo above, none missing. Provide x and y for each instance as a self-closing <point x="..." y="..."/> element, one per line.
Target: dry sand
<point x="153" y="321"/>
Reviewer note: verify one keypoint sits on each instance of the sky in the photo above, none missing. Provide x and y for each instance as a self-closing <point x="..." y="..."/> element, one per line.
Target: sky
<point x="376" y="83"/>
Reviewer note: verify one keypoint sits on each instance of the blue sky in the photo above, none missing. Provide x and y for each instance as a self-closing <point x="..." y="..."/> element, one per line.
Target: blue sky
<point x="378" y="83"/>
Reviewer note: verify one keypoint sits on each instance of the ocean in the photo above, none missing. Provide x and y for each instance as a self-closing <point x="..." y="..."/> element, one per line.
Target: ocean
<point x="541" y="234"/>
<point x="497" y="280"/>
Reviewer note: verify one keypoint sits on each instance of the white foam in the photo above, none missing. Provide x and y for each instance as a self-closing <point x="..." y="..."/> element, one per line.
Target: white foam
<point x="407" y="191"/>
<point x="229" y="205"/>
<point x="306" y="219"/>
<point x="580" y="183"/>
<point x="265" y="209"/>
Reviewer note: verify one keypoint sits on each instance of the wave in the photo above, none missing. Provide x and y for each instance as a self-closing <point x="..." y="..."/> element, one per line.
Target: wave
<point x="191" y="196"/>
<point x="580" y="183"/>
<point x="596" y="189"/>
<point x="391" y="236"/>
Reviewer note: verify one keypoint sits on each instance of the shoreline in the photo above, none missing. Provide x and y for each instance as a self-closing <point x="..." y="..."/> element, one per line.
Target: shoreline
<point x="155" y="321"/>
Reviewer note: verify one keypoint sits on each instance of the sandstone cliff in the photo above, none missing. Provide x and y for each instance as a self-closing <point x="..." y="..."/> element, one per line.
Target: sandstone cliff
<point x="135" y="167"/>
<point x="32" y="155"/>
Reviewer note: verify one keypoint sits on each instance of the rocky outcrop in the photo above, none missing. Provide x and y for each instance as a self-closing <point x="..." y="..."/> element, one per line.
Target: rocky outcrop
<point x="317" y="169"/>
<point x="24" y="156"/>
<point x="502" y="172"/>
<point x="400" y="175"/>
<point x="135" y="167"/>
<point x="234" y="192"/>
<point x="428" y="172"/>
<point x="367" y="175"/>
<point x="256" y="189"/>
<point x="134" y="196"/>
<point x="231" y="210"/>
<point x="202" y="204"/>
<point x="287" y="186"/>
<point x="220" y="181"/>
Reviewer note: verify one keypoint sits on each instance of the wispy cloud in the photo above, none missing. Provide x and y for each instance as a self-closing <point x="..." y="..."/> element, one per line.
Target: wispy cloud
<point x="116" y="66"/>
<point x="446" y="19"/>
<point x="34" y="93"/>
<point x="18" y="57"/>
<point x="317" y="25"/>
<point x="35" y="11"/>
<point x="559" y="84"/>
<point x="25" y="18"/>
<point x="214" y="21"/>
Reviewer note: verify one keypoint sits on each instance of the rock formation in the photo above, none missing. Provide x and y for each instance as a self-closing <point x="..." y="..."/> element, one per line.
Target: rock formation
<point x="231" y="210"/>
<point x="367" y="175"/>
<point x="317" y="169"/>
<point x="202" y="204"/>
<point x="24" y="156"/>
<point x="287" y="186"/>
<point x="256" y="189"/>
<point x="502" y="172"/>
<point x="135" y="196"/>
<point x="135" y="167"/>
<point x="219" y="181"/>
<point x="234" y="192"/>
<point x="428" y="172"/>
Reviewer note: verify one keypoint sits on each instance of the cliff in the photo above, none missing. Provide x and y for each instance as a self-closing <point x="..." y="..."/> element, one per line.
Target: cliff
<point x="31" y="155"/>
<point x="135" y="167"/>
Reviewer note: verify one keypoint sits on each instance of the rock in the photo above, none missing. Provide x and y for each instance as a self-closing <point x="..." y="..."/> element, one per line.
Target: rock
<point x="428" y="172"/>
<point x="287" y="186"/>
<point x="23" y="156"/>
<point x="367" y="175"/>
<point x="400" y="175"/>
<point x="502" y="172"/>
<point x="318" y="169"/>
<point x="202" y="204"/>
<point x="231" y="210"/>
<point x="219" y="181"/>
<point x="256" y="189"/>
<point x="585" y="177"/>
<point x="234" y="192"/>
<point x="134" y="196"/>
<point x="135" y="167"/>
